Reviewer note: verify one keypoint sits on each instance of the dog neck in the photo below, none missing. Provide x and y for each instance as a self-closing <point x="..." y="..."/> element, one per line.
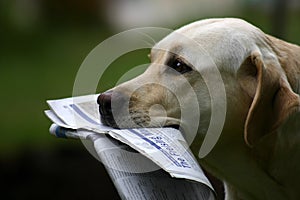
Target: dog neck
<point x="278" y="155"/>
<point x="241" y="168"/>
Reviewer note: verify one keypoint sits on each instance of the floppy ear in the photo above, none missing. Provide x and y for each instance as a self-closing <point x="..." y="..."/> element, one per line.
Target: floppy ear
<point x="273" y="99"/>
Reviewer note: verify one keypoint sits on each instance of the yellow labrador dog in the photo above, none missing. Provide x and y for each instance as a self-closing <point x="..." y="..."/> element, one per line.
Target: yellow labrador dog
<point x="258" y="152"/>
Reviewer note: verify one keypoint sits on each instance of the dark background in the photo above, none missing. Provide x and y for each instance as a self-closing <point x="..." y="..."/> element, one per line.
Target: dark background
<point x="42" y="45"/>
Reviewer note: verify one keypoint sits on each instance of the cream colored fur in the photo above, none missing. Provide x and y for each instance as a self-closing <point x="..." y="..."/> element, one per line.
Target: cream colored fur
<point x="258" y="153"/>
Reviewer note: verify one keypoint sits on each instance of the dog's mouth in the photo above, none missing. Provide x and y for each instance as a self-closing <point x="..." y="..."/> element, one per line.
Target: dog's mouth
<point x="134" y="123"/>
<point x="111" y="122"/>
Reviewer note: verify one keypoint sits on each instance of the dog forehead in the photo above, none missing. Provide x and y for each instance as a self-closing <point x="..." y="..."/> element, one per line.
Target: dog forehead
<point x="219" y="28"/>
<point x="212" y="33"/>
<point x="220" y="40"/>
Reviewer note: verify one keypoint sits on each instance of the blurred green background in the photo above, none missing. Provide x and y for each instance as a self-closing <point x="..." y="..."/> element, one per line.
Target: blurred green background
<point x="44" y="42"/>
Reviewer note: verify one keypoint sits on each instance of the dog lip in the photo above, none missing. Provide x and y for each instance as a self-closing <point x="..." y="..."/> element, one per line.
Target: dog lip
<point x="109" y="121"/>
<point x="175" y="126"/>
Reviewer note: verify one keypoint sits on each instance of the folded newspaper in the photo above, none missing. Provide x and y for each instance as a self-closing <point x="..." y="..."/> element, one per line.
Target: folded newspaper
<point x="144" y="163"/>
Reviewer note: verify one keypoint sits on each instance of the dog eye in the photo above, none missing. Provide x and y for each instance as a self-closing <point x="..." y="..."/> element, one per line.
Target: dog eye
<point x="179" y="66"/>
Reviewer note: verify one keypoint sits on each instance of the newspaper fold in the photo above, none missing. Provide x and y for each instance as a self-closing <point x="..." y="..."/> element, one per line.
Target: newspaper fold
<point x="136" y="159"/>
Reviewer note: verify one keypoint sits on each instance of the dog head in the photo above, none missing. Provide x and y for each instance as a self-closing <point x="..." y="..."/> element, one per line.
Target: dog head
<point x="183" y="79"/>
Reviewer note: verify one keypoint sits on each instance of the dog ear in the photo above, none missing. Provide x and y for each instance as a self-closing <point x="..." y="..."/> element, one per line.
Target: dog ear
<point x="273" y="99"/>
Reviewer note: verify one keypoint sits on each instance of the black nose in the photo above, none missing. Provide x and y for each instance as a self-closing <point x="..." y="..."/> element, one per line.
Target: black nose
<point x="104" y="101"/>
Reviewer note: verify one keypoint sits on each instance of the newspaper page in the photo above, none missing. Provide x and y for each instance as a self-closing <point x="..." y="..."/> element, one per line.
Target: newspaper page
<point x="78" y="112"/>
<point x="134" y="176"/>
<point x="166" y="147"/>
<point x="163" y="149"/>
<point x="134" y="183"/>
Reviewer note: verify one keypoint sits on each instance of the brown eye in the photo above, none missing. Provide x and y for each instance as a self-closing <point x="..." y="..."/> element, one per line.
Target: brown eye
<point x="179" y="66"/>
